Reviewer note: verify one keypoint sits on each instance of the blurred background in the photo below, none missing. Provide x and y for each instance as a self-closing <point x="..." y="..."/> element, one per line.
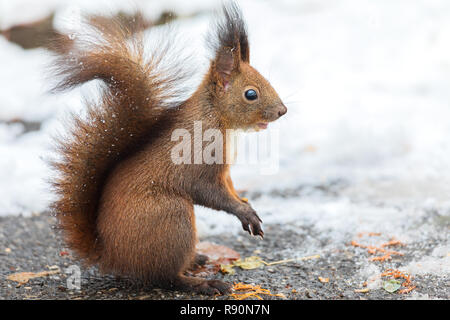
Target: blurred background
<point x="364" y="147"/>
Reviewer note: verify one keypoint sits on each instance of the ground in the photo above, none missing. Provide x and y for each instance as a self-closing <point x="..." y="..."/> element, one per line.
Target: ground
<point x="34" y="246"/>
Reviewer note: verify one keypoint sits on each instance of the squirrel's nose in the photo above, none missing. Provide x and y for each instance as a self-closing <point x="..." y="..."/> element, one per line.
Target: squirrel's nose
<point x="282" y="110"/>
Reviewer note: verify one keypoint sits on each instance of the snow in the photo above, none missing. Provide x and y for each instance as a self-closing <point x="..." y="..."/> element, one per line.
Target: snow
<point x="367" y="89"/>
<point x="437" y="263"/>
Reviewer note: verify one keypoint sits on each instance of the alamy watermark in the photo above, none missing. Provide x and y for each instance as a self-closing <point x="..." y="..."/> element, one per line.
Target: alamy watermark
<point x="213" y="146"/>
<point x="73" y="281"/>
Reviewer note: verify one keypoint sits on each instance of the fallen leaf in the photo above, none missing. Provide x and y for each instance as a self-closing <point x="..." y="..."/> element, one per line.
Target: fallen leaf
<point x="324" y="280"/>
<point x="227" y="269"/>
<point x="398" y="274"/>
<point x="386" y="254"/>
<point x="24" y="277"/>
<point x="218" y="256"/>
<point x="249" y="263"/>
<point x="392" y="242"/>
<point x="248" y="291"/>
<point x="391" y="285"/>
<point x="217" y="253"/>
<point x="365" y="290"/>
<point x="254" y="262"/>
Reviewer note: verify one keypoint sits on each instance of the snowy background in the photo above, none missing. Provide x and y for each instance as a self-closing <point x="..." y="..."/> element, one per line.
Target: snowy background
<point x="364" y="147"/>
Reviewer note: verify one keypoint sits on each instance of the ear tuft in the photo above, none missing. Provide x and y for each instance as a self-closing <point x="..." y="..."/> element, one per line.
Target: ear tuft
<point x="229" y="41"/>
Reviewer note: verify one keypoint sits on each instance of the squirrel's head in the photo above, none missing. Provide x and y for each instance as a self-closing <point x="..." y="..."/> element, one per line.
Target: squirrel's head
<point x="245" y="99"/>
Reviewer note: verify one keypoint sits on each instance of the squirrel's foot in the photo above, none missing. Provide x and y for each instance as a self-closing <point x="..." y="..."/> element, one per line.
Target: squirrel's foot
<point x="200" y="259"/>
<point x="213" y="287"/>
<point x="202" y="286"/>
<point x="251" y="222"/>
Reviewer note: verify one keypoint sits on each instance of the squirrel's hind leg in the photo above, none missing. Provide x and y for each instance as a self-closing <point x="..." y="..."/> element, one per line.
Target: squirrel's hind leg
<point x="154" y="241"/>
<point x="201" y="286"/>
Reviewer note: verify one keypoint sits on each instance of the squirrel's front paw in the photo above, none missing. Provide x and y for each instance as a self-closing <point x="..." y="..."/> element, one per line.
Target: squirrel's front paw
<point x="251" y="223"/>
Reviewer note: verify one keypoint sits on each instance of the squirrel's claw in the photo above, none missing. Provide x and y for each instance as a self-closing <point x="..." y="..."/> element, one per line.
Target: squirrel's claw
<point x="251" y="223"/>
<point x="261" y="234"/>
<point x="253" y="228"/>
<point x="257" y="231"/>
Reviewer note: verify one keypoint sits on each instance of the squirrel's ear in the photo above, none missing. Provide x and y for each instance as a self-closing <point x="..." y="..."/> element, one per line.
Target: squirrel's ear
<point x="225" y="64"/>
<point x="230" y="44"/>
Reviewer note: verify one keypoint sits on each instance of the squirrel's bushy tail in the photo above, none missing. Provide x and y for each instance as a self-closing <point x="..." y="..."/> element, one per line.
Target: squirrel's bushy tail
<point x="133" y="95"/>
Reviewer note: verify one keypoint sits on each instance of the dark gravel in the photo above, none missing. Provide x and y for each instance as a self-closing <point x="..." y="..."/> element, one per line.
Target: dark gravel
<point x="31" y="244"/>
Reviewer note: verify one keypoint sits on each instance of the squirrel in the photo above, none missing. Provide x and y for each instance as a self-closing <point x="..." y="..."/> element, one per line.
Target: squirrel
<point x="122" y="204"/>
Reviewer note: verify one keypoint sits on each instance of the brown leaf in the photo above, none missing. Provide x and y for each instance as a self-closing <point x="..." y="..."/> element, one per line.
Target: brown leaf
<point x="24" y="277"/>
<point x="218" y="255"/>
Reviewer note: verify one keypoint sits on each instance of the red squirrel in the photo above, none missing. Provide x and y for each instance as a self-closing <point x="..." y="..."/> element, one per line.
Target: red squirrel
<point x="123" y="205"/>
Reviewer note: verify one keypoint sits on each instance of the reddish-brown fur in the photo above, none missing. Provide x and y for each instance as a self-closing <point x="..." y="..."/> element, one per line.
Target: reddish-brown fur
<point x="123" y="204"/>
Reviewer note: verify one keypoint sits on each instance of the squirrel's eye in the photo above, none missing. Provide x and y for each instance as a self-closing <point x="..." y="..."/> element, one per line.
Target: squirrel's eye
<point x="251" y="95"/>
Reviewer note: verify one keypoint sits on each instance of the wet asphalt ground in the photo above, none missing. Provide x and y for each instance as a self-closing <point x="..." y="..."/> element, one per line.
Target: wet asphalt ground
<point x="32" y="244"/>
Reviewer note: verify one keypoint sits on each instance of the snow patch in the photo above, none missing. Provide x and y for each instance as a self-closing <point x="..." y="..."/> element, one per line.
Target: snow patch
<point x="437" y="263"/>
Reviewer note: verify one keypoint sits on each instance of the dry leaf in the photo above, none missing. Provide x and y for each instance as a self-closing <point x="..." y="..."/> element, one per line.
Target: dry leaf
<point x="386" y="254"/>
<point x="217" y="253"/>
<point x="392" y="285"/>
<point x="249" y="290"/>
<point x="249" y="263"/>
<point x="218" y="256"/>
<point x="227" y="269"/>
<point x="324" y="280"/>
<point x="24" y="277"/>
